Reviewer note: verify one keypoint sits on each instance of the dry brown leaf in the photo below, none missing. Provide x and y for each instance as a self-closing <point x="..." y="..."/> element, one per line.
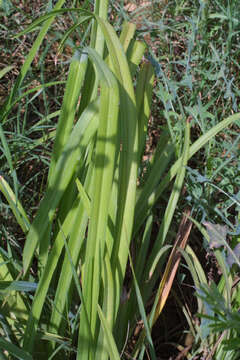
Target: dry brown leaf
<point x="173" y="262"/>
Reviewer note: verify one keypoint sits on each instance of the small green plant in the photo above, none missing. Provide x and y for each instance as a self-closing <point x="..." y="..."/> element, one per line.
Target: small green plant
<point x="216" y="335"/>
<point x="220" y="319"/>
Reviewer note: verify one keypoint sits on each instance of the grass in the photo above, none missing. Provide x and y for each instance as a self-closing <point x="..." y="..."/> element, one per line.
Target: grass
<point x="88" y="224"/>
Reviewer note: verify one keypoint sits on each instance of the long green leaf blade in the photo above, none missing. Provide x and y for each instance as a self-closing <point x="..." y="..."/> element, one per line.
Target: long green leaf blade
<point x="147" y="203"/>
<point x="14" y="350"/>
<point x="112" y="348"/>
<point x="103" y="177"/>
<point x="74" y="150"/>
<point x="72" y="91"/>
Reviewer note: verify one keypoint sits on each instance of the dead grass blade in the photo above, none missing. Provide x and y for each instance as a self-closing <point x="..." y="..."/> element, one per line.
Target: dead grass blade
<point x="173" y="263"/>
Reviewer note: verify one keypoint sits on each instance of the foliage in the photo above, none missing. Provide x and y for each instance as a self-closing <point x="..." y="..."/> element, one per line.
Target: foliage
<point x="67" y="295"/>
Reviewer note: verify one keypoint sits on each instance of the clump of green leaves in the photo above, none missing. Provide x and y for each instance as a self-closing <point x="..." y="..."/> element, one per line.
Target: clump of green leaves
<point x="78" y="245"/>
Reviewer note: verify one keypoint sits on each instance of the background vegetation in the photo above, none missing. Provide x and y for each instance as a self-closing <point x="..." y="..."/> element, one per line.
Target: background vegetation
<point x="118" y="142"/>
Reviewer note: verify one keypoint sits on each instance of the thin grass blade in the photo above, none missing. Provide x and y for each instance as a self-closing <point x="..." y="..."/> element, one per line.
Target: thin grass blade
<point x="15" y="205"/>
<point x="5" y="70"/>
<point x="148" y="202"/>
<point x="173" y="199"/>
<point x="8" y="156"/>
<point x="14" y="350"/>
<point x="112" y="348"/>
<point x="31" y="56"/>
